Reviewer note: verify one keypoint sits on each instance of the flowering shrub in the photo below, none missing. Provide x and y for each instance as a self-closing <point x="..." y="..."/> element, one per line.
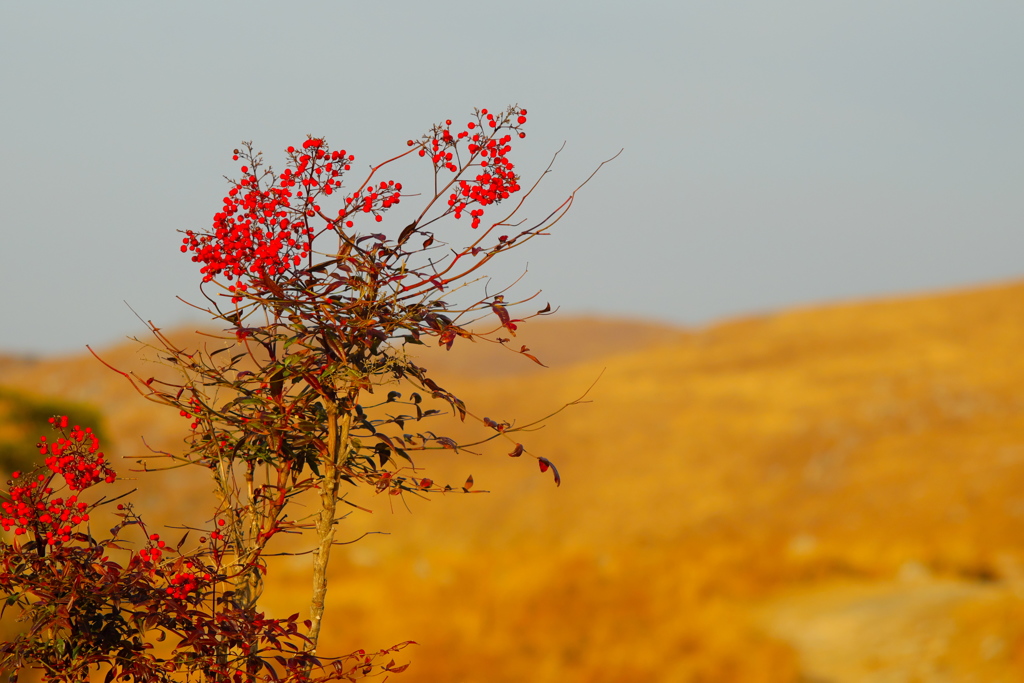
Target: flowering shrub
<point x="307" y="391"/>
<point x="32" y="508"/>
<point x="97" y="604"/>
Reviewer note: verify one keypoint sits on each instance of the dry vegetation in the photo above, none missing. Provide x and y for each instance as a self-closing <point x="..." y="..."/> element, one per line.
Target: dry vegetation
<point x="828" y="494"/>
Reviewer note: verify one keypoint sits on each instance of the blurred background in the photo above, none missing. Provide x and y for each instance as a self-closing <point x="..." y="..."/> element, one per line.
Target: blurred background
<point x="776" y="153"/>
<point x="800" y="280"/>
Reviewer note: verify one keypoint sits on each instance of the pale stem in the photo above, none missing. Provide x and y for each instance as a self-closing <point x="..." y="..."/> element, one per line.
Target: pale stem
<point x="338" y="446"/>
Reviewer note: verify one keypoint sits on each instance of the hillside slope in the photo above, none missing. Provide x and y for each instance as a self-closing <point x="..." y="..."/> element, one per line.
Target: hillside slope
<point x="721" y="484"/>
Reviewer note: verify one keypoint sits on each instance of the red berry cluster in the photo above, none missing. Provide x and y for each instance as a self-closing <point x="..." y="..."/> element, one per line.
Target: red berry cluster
<point x="77" y="457"/>
<point x="373" y="199"/>
<point x="316" y="169"/>
<point x="155" y="551"/>
<point x="30" y="507"/>
<point x="52" y="520"/>
<point x="443" y="146"/>
<point x="187" y="582"/>
<point x="196" y="408"/>
<point x="216" y="535"/>
<point x="252" y="235"/>
<point x="497" y="179"/>
<point x="265" y="231"/>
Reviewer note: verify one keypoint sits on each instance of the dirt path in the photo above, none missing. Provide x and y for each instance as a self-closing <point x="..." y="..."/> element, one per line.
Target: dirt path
<point x="874" y="633"/>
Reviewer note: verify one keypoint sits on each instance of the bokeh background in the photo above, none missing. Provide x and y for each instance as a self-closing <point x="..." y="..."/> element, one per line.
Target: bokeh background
<point x="799" y="285"/>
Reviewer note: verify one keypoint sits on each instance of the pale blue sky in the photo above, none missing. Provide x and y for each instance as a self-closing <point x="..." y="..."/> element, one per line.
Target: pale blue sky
<point x="776" y="153"/>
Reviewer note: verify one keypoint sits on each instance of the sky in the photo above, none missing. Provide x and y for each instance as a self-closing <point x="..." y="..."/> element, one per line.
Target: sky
<point x="775" y="153"/>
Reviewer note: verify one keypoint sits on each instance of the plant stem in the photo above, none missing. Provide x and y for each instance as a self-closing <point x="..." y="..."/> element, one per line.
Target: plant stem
<point x="339" y="429"/>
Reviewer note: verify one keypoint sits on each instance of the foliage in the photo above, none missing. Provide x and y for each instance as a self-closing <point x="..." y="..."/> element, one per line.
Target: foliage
<point x="93" y="603"/>
<point x="308" y="392"/>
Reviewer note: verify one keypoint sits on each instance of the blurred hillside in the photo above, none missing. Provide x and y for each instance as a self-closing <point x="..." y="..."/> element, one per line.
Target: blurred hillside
<point x="831" y="494"/>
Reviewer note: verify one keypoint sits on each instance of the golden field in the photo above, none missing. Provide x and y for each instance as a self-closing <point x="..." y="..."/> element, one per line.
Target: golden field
<point x="828" y="494"/>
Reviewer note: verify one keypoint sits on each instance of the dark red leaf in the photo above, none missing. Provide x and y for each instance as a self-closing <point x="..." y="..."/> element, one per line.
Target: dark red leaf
<point x="502" y="313"/>
<point x="406" y="233"/>
<point x="545" y="464"/>
<point x="517" y="451"/>
<point x="383" y="453"/>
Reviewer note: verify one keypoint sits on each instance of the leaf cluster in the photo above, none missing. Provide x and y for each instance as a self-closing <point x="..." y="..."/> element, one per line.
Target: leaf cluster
<point x="115" y="604"/>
